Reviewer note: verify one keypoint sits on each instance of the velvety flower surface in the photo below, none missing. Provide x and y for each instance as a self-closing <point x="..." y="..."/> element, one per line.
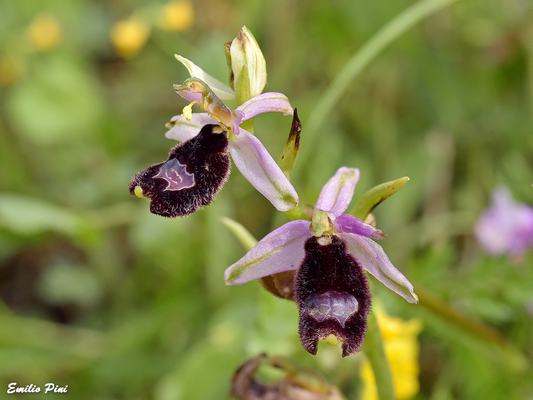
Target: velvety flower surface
<point x="248" y="153"/>
<point x="506" y="227"/>
<point x="329" y="255"/>
<point x="332" y="295"/>
<point x="193" y="173"/>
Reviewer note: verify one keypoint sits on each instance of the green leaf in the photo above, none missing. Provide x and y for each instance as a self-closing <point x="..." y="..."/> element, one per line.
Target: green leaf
<point x="28" y="216"/>
<point x="59" y="102"/>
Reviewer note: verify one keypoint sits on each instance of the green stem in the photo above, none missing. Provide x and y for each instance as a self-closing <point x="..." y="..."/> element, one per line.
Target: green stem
<point x="241" y="233"/>
<point x="241" y="98"/>
<point x="376" y="355"/>
<point x="360" y="59"/>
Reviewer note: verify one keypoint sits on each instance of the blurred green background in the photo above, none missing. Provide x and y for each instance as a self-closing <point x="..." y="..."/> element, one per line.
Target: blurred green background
<point x="100" y="295"/>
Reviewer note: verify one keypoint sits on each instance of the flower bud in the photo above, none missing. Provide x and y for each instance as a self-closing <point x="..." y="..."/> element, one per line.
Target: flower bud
<point x="248" y="66"/>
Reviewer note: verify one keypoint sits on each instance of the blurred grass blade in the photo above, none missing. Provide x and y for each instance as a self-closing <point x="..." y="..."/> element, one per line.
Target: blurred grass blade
<point x="30" y="215"/>
<point x="60" y="338"/>
<point x="361" y="58"/>
<point x="240" y="232"/>
<point x="376" y="195"/>
<point x="510" y="355"/>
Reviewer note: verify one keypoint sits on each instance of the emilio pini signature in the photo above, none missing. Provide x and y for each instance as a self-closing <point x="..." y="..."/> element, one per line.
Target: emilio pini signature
<point x="31" y="388"/>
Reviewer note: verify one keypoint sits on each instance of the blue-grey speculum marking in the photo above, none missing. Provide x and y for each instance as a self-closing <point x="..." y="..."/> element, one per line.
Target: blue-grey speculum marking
<point x="176" y="175"/>
<point x="332" y="304"/>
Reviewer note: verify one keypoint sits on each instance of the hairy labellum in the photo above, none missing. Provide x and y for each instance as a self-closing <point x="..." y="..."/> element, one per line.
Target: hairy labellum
<point x="332" y="295"/>
<point x="194" y="172"/>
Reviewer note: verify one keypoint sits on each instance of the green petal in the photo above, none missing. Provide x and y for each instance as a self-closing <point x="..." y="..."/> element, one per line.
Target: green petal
<point x="292" y="147"/>
<point x="223" y="91"/>
<point x="376" y="195"/>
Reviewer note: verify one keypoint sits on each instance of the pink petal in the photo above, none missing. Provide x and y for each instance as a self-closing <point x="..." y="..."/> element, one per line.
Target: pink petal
<point x="183" y="129"/>
<point x="237" y="118"/>
<point x="190" y="96"/>
<point x="260" y="169"/>
<point x="266" y="102"/>
<point x="281" y="250"/>
<point x="349" y="224"/>
<point x="336" y="195"/>
<point x="373" y="258"/>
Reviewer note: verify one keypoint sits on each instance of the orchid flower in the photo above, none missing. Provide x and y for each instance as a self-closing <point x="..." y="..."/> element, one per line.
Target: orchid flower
<point x="248" y="153"/>
<point x="506" y="227"/>
<point x="329" y="255"/>
<point x="197" y="168"/>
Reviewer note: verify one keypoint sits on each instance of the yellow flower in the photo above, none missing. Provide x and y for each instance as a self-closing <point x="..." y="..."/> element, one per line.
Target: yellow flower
<point x="401" y="348"/>
<point x="44" y="32"/>
<point x="12" y="69"/>
<point x="129" y="36"/>
<point x="177" y="16"/>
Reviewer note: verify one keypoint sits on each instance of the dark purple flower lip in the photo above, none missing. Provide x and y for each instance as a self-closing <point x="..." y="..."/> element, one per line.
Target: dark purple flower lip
<point x="332" y="294"/>
<point x="191" y="176"/>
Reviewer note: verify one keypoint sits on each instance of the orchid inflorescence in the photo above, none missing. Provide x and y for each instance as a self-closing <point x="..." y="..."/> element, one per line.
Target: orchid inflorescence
<point x="318" y="260"/>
